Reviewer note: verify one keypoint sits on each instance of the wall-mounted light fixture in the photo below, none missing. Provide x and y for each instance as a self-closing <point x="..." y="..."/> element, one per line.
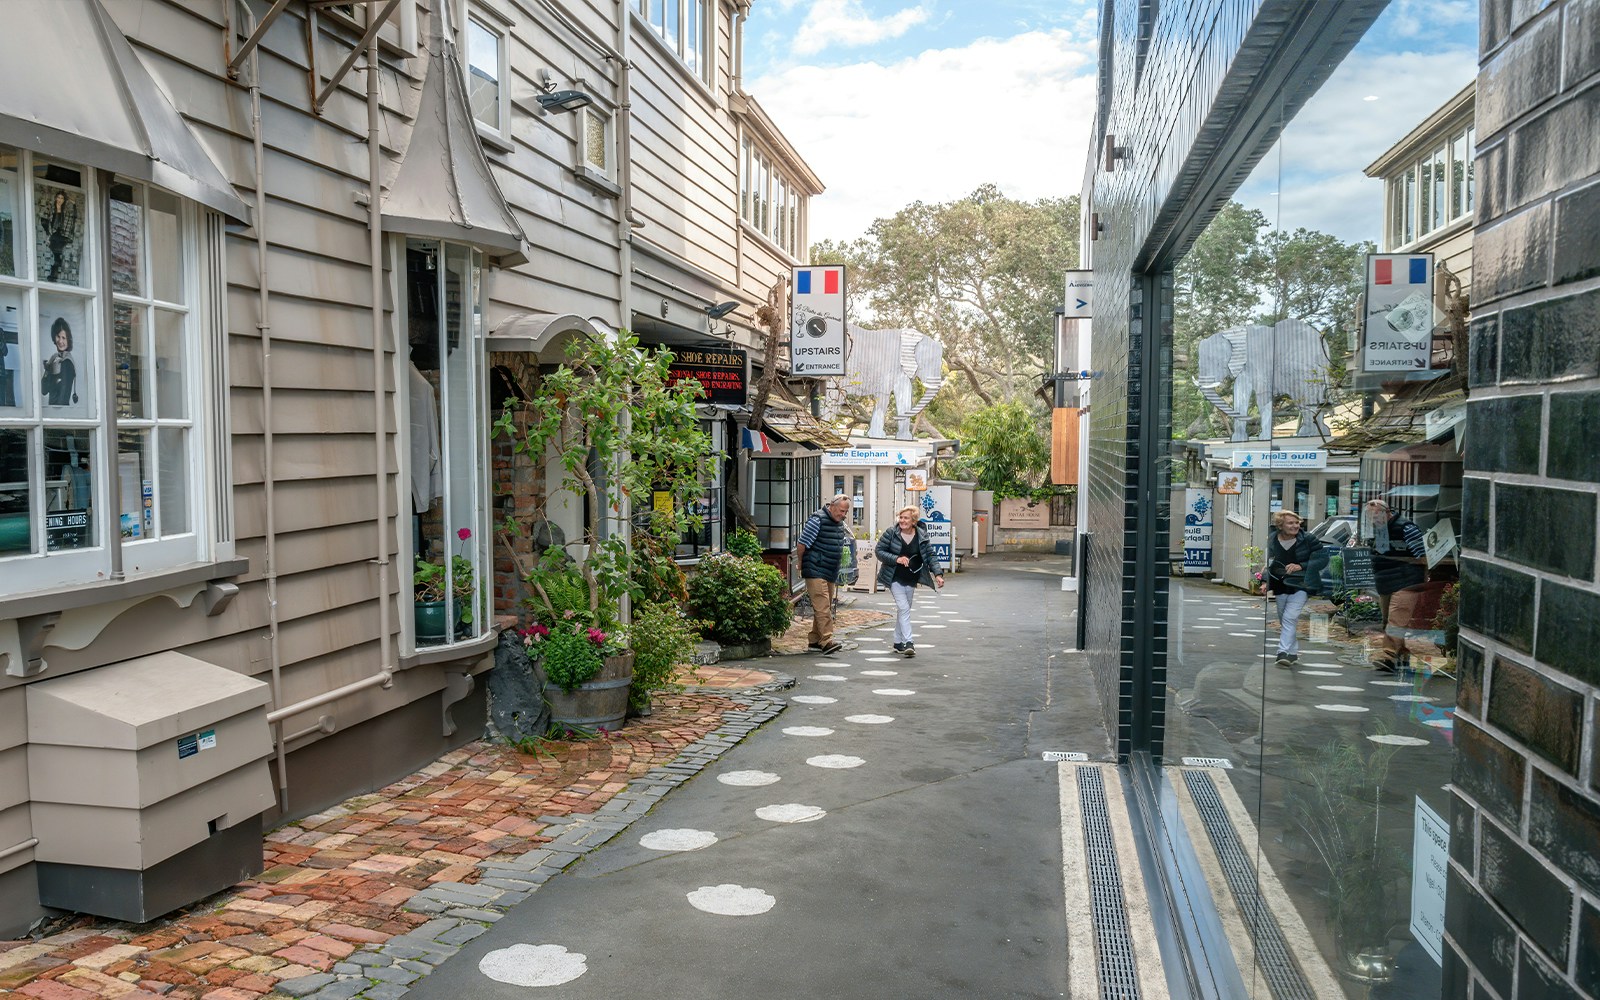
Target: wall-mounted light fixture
<point x="559" y="100"/>
<point x="1114" y="153"/>
<point x="1096" y="227"/>
<point x="721" y="309"/>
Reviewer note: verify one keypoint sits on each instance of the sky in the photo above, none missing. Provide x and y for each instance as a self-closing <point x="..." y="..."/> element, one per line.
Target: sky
<point x="892" y="102"/>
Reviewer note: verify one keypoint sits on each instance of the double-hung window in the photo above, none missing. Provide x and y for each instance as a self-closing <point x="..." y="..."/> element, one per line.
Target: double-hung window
<point x="486" y="76"/>
<point x="685" y="28"/>
<point x="1434" y="190"/>
<point x="445" y="415"/>
<point x="104" y="440"/>
<point x="770" y="201"/>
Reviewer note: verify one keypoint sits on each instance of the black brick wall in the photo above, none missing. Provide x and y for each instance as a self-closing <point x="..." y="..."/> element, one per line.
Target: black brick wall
<point x="1523" y="913"/>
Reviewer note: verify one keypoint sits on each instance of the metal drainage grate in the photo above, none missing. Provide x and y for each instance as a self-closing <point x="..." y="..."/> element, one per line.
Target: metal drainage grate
<point x="1283" y="975"/>
<point x="1113" y="946"/>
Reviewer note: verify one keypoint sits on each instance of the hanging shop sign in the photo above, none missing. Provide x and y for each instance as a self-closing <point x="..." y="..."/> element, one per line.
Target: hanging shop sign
<point x="1230" y="483"/>
<point x="916" y="480"/>
<point x="1255" y="459"/>
<point x="1197" y="508"/>
<point x="1079" y="301"/>
<point x="816" y="321"/>
<point x="874" y="456"/>
<point x="721" y="373"/>
<point x="1397" y="327"/>
<point x="936" y="508"/>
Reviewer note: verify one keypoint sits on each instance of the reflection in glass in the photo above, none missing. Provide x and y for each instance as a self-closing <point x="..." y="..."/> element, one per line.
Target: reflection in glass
<point x="69" y="486"/>
<point x="483" y="73"/>
<point x="126" y="239"/>
<point x="172" y="400"/>
<point x="134" y="483"/>
<point x="128" y="331"/>
<point x="14" y="386"/>
<point x="166" y="247"/>
<point x="10" y="211"/>
<point x="172" y="458"/>
<point x="16" y="493"/>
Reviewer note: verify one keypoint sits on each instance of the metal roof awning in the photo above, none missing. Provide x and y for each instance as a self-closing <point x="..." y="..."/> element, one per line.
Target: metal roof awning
<point x="444" y="187"/>
<point x="536" y="333"/>
<point x="72" y="87"/>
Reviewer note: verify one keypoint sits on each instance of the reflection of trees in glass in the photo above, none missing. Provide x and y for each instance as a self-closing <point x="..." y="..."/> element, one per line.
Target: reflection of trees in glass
<point x="1335" y="800"/>
<point x="981" y="274"/>
<point x="1240" y="271"/>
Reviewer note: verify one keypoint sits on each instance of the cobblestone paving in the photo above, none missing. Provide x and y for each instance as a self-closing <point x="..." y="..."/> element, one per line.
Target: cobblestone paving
<point x="363" y="899"/>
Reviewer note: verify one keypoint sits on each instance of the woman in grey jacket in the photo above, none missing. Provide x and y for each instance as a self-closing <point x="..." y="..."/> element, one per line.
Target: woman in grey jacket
<point x="905" y="559"/>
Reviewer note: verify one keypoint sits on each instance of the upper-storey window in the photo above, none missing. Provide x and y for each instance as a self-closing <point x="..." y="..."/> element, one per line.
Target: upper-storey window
<point x="684" y="26"/>
<point x="103" y="440"/>
<point x="486" y="72"/>
<point x="770" y="201"/>
<point x="596" y="140"/>
<point x="1432" y="192"/>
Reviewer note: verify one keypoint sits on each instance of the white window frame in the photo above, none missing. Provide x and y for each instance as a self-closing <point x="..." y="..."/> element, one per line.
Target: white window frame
<point x="207" y="489"/>
<point x="501" y="131"/>
<point x="770" y="201"/>
<point x="398" y="33"/>
<point x="1431" y="176"/>
<point x="608" y="170"/>
<point x="696" y="16"/>
<point x="464" y="464"/>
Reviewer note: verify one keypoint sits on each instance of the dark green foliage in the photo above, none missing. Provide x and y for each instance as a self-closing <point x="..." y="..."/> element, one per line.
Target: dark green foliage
<point x="740" y="599"/>
<point x="663" y="637"/>
<point x="569" y="656"/>
<point x="743" y="542"/>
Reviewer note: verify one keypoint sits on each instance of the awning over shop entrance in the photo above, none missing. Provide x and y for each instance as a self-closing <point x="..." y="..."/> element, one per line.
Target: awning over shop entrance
<point x="72" y="87"/>
<point x="444" y="188"/>
<point x="538" y="333"/>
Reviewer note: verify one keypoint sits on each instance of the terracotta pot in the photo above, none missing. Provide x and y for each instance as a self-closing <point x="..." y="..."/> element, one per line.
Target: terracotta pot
<point x="599" y="703"/>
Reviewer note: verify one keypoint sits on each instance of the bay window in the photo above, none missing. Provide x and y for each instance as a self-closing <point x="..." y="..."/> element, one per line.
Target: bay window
<point x="448" y="442"/>
<point x="1434" y="190"/>
<point x="101" y="451"/>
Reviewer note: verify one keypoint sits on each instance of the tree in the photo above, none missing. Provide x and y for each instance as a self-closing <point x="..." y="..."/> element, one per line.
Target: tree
<point x="982" y="274"/>
<point x="1004" y="449"/>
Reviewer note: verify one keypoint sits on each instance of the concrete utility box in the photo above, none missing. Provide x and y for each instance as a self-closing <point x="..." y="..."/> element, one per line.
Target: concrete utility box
<point x="148" y="780"/>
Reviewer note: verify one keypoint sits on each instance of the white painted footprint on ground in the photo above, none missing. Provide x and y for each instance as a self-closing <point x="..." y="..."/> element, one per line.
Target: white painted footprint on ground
<point x="533" y="965"/>
<point x="813" y="699"/>
<point x="835" y="760"/>
<point x="748" y="779"/>
<point x="791" y="812"/>
<point x="678" y="840"/>
<point x="731" y="900"/>
<point x="807" y="731"/>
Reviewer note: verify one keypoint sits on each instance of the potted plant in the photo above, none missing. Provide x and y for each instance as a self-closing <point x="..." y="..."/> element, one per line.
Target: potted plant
<point x="436" y="590"/>
<point x="623" y="436"/>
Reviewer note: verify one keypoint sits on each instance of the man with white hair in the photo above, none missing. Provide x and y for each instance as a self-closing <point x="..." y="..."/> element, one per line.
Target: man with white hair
<point x="819" y="549"/>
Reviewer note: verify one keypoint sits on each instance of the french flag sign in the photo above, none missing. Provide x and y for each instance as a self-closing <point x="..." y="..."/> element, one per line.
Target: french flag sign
<point x="816" y="320"/>
<point x="1400" y="317"/>
<point x="754" y="441"/>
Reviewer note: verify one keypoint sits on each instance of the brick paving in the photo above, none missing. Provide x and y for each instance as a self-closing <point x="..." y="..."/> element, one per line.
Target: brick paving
<point x="365" y="897"/>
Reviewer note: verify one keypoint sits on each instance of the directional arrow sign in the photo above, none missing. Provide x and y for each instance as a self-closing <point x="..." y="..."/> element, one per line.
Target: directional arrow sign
<point x="1079" y="295"/>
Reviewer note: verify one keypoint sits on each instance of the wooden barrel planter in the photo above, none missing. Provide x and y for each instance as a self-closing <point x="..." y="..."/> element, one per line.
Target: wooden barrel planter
<point x="599" y="703"/>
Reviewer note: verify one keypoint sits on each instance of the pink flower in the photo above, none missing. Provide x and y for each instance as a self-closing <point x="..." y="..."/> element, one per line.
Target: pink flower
<point x="596" y="636"/>
<point x="463" y="533"/>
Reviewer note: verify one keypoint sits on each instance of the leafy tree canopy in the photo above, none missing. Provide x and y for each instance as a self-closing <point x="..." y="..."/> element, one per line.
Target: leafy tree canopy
<point x="1003" y="450"/>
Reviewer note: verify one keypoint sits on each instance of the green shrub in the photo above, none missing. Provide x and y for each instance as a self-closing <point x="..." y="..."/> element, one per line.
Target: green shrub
<point x="570" y="656"/>
<point x="657" y="578"/>
<point x="663" y="637"/>
<point x="743" y="542"/>
<point x="741" y="600"/>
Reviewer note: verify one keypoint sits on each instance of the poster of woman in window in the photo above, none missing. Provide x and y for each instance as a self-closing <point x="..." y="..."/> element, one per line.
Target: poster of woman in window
<point x="64" y="353"/>
<point x="59" y="248"/>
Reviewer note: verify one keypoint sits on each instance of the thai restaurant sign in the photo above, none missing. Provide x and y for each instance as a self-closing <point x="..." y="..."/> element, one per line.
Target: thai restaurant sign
<point x="721" y="373"/>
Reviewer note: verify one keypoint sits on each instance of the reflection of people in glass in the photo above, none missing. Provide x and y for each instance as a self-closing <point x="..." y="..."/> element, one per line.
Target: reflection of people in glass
<point x="1288" y="553"/>
<point x="59" y="372"/>
<point x="58" y="224"/>
<point x="1397" y="563"/>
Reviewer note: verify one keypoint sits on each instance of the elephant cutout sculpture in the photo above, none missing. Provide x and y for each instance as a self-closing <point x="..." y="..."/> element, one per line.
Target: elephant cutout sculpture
<point x="882" y="364"/>
<point x="1266" y="362"/>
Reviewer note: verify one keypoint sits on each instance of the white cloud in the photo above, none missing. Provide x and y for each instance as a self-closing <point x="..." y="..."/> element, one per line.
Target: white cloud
<point x="844" y="22"/>
<point x="1013" y="111"/>
<point x="1323" y="152"/>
